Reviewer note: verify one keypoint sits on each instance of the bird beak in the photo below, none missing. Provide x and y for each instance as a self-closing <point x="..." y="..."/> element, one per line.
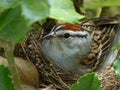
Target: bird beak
<point x="48" y="36"/>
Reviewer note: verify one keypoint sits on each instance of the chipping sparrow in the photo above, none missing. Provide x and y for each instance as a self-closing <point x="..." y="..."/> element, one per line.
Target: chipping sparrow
<point x="80" y="48"/>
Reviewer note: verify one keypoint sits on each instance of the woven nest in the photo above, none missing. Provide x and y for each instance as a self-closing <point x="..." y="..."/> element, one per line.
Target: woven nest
<point x="49" y="74"/>
<point x="52" y="74"/>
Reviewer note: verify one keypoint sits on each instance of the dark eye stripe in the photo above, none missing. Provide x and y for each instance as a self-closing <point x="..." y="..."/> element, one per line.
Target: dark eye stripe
<point x="76" y="35"/>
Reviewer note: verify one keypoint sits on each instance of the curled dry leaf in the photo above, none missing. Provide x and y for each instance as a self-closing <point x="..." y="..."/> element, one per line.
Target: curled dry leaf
<point x="27" y="70"/>
<point x="29" y="87"/>
<point x="50" y="87"/>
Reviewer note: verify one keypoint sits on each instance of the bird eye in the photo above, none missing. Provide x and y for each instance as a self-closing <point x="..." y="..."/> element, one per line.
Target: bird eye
<point x="66" y="35"/>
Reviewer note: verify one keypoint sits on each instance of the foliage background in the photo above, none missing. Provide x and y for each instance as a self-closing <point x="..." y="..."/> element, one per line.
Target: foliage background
<point x="17" y="16"/>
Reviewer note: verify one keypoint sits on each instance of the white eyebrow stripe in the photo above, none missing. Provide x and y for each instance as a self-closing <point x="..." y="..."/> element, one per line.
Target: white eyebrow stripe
<point x="55" y="28"/>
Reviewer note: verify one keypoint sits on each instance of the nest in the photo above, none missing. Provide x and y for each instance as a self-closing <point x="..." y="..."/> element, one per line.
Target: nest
<point x="49" y="74"/>
<point x="53" y="74"/>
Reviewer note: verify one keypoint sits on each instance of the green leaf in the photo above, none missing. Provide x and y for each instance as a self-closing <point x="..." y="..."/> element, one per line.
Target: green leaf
<point x="35" y="10"/>
<point x="89" y="81"/>
<point x="64" y="10"/>
<point x="116" y="47"/>
<point x="5" y="79"/>
<point x="12" y="25"/>
<point x="100" y="3"/>
<point x="5" y="4"/>
<point x="116" y="66"/>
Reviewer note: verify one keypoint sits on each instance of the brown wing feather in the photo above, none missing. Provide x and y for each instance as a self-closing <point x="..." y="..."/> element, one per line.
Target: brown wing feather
<point x="103" y="36"/>
<point x="107" y="37"/>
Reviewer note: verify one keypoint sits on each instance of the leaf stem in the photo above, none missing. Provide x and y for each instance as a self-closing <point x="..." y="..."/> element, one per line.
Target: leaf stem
<point x="9" y="49"/>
